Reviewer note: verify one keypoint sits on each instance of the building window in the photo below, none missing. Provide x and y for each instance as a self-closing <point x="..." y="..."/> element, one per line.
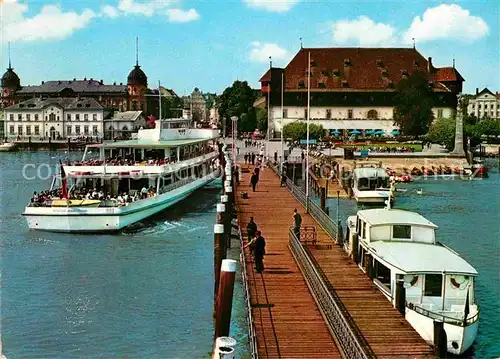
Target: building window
<point x="68" y="130"/>
<point x="11" y="130"/>
<point x="77" y="130"/>
<point x="37" y="130"/>
<point x="285" y="113"/>
<point x="52" y="117"/>
<point x="401" y="231"/>
<point x="19" y="117"/>
<point x="440" y="113"/>
<point x="86" y="130"/>
<point x="68" y="117"/>
<point x="305" y="113"/>
<point x="11" y="117"/>
<point x="94" y="130"/>
<point x="46" y="118"/>
<point x="36" y="117"/>
<point x="433" y="285"/>
<point x="372" y="114"/>
<point x="28" y="130"/>
<point x="20" y="130"/>
<point x="28" y="117"/>
<point x="77" y="117"/>
<point x="349" y="114"/>
<point x="57" y="118"/>
<point x="328" y="114"/>
<point x="86" y="117"/>
<point x="94" y="117"/>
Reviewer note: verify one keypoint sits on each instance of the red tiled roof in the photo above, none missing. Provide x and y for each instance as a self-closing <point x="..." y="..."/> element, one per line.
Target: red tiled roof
<point x="447" y="74"/>
<point x="266" y="76"/>
<point x="368" y="69"/>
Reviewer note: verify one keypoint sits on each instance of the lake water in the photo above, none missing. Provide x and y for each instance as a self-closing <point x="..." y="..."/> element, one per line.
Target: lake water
<point x="143" y="293"/>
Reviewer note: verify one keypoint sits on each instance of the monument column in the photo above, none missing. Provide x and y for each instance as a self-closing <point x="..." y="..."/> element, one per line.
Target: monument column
<point x="458" y="151"/>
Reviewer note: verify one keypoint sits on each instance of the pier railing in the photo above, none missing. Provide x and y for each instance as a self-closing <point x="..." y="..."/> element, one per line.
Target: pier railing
<point x="347" y="335"/>
<point x="252" y="335"/>
<point x="314" y="210"/>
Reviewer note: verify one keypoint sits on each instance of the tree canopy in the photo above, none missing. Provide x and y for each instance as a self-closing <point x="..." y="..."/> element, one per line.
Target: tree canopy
<point x="413" y="111"/>
<point x="297" y="131"/>
<point x="238" y="100"/>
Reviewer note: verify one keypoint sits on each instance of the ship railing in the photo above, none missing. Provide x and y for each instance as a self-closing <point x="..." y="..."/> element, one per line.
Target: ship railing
<point x="348" y="337"/>
<point x="252" y="335"/>
<point x="446" y="319"/>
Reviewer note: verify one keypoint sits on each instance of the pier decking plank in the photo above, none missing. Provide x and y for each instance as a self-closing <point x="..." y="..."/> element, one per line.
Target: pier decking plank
<point x="291" y="325"/>
<point x="287" y="320"/>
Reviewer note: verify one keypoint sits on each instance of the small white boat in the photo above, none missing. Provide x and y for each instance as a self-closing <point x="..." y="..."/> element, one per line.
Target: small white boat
<point x="136" y="178"/>
<point x="395" y="246"/>
<point x="371" y="185"/>
<point x="420" y="191"/>
<point x="7" y="147"/>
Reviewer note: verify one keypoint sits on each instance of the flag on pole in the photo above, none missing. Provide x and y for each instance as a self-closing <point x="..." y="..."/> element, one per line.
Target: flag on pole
<point x="64" y="183"/>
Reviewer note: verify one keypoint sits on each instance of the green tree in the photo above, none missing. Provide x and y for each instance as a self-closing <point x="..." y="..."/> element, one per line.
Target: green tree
<point x="297" y="131"/>
<point x="261" y="114"/>
<point x="442" y="131"/>
<point x="413" y="111"/>
<point x="238" y="100"/>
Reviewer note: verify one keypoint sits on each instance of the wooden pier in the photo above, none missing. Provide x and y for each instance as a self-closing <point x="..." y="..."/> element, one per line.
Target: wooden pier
<point x="312" y="300"/>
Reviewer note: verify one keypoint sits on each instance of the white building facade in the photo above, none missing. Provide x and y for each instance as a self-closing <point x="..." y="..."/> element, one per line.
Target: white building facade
<point x="54" y="118"/>
<point x="352" y="88"/>
<point x="484" y="104"/>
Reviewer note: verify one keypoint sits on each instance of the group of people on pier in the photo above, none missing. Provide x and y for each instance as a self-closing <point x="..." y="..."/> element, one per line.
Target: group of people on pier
<point x="256" y="244"/>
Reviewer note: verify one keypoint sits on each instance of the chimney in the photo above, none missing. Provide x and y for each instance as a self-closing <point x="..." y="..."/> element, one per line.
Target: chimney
<point x="114" y="83"/>
<point x="43" y="82"/>
<point x="102" y="82"/>
<point x="74" y="79"/>
<point x="477" y="91"/>
<point x="430" y="68"/>
<point x="84" y="79"/>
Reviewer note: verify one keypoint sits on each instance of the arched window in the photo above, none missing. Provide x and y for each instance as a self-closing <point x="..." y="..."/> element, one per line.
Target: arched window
<point x="372" y="114"/>
<point x="124" y="128"/>
<point x="52" y="117"/>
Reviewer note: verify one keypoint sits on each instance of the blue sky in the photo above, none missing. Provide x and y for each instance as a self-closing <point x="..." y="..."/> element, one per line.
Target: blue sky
<point x="209" y="44"/>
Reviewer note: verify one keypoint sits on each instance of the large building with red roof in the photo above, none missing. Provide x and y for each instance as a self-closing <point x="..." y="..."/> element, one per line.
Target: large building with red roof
<point x="352" y="88"/>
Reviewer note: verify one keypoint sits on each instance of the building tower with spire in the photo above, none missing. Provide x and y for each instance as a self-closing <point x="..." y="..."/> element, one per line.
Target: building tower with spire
<point x="10" y="84"/>
<point x="137" y="85"/>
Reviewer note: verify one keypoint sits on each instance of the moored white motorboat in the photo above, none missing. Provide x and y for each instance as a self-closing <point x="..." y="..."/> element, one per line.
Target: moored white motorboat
<point x="370" y="185"/>
<point x="398" y="249"/>
<point x="131" y="180"/>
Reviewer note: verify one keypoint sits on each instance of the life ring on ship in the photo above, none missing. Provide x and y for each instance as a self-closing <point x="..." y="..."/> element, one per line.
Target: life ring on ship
<point x="459" y="281"/>
<point x="410" y="280"/>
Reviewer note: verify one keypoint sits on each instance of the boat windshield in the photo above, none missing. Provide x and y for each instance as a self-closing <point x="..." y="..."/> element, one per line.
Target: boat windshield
<point x="371" y="184"/>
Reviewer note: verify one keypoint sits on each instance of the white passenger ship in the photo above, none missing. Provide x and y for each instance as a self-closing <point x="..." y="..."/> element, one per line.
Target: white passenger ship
<point x="371" y="184"/>
<point x="400" y="246"/>
<point x="129" y="181"/>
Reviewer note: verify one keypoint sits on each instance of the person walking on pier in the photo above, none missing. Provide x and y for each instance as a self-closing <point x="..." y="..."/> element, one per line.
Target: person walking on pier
<point x="246" y="157"/>
<point x="253" y="158"/>
<point x="251" y="229"/>
<point x="259" y="245"/>
<point x="297" y="222"/>
<point x="254" y="180"/>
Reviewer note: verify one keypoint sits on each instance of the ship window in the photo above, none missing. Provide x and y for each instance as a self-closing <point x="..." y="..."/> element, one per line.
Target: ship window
<point x="401" y="231"/>
<point x="383" y="274"/>
<point x="433" y="285"/>
<point x="363" y="230"/>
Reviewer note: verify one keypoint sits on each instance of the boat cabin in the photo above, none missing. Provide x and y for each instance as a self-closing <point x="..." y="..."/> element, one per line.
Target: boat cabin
<point x="370" y="179"/>
<point x="394" y="245"/>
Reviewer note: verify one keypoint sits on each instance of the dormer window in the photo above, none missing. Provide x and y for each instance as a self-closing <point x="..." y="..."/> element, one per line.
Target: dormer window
<point x="301" y="84"/>
<point x="336" y="72"/>
<point x="380" y="63"/>
<point x="79" y="105"/>
<point x="390" y="84"/>
<point x="347" y="62"/>
<point x="325" y="73"/>
<point x="344" y="83"/>
<point x="313" y="63"/>
<point x="404" y="74"/>
<point x="416" y="63"/>
<point x="385" y="73"/>
<point x="321" y="85"/>
<point x="87" y="105"/>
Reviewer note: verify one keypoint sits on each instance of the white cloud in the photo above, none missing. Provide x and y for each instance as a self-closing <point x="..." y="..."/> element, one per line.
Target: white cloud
<point x="363" y="31"/>
<point x="178" y="15"/>
<point x="146" y="8"/>
<point x="50" y="24"/>
<point x="272" y="5"/>
<point x="261" y="52"/>
<point x="109" y="11"/>
<point x="446" y="22"/>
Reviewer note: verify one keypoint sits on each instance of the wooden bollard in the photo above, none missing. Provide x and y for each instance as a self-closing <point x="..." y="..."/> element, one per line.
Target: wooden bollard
<point x="368" y="264"/>
<point x="355" y="240"/>
<point x="400" y="300"/>
<point x="229" y="215"/>
<point x="225" y="298"/>
<point x="440" y="339"/>
<point x="323" y="199"/>
<point x="218" y="243"/>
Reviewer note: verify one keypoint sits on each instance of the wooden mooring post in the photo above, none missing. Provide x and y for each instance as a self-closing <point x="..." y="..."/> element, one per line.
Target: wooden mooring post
<point x="224" y="302"/>
<point x="218" y="254"/>
<point x="323" y="198"/>
<point x="440" y="339"/>
<point x="229" y="213"/>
